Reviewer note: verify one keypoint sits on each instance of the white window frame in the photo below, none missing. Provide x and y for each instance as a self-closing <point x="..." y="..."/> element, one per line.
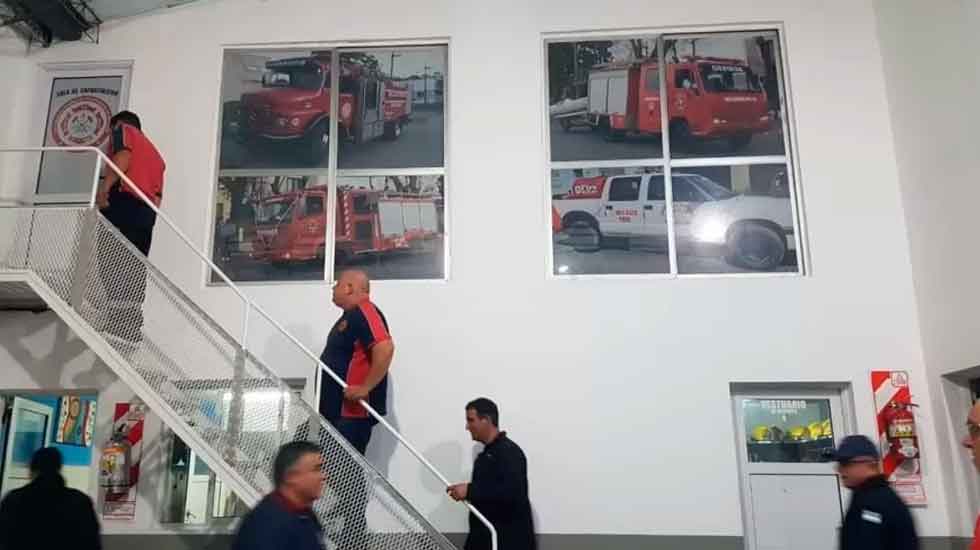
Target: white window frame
<point x="332" y="171"/>
<point x="790" y="158"/>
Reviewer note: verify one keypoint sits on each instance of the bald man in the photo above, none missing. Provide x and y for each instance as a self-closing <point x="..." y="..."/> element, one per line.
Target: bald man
<point x="972" y="442"/>
<point x="359" y="350"/>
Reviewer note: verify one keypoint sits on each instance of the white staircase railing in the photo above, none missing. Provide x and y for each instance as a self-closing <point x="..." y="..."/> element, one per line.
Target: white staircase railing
<point x="206" y="382"/>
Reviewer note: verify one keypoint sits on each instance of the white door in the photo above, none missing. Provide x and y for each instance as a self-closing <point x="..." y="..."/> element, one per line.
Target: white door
<point x="781" y="525"/>
<point x="79" y="101"/>
<point x="791" y="495"/>
<point x="622" y="212"/>
<point x="655" y="208"/>
<point x="618" y="94"/>
<point x="30" y="430"/>
<point x="198" y="481"/>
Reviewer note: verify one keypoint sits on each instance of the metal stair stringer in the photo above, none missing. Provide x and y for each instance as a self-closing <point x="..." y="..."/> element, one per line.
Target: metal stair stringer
<point x="121" y="367"/>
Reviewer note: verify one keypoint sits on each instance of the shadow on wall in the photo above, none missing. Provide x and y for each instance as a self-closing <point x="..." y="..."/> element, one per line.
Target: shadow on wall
<point x="23" y="337"/>
<point x="383" y="445"/>
<point x="448" y="458"/>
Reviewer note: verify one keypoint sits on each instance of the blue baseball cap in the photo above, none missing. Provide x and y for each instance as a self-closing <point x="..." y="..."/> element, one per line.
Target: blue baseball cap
<point x="854" y="446"/>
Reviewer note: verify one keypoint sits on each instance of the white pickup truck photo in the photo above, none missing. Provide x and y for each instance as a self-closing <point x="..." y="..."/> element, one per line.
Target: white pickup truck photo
<point x="751" y="231"/>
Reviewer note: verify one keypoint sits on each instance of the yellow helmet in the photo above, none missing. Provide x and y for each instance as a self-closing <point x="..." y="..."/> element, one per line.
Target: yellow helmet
<point x="815" y="430"/>
<point x="760" y="433"/>
<point x="827" y="431"/>
<point x="797" y="433"/>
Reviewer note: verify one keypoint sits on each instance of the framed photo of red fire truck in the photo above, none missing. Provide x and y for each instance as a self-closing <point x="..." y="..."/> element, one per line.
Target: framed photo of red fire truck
<point x="704" y="186"/>
<point x="309" y="132"/>
<point x="278" y="108"/>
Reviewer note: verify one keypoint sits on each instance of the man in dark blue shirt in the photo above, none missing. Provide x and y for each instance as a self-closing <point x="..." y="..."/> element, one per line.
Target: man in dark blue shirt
<point x="498" y="487"/>
<point x="876" y="519"/>
<point x="284" y="518"/>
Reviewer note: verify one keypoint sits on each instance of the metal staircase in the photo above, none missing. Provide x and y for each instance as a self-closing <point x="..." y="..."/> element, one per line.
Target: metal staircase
<point x="214" y="387"/>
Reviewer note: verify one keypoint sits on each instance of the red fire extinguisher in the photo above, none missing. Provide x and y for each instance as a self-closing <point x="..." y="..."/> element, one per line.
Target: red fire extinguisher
<point x="115" y="463"/>
<point x="903" y="443"/>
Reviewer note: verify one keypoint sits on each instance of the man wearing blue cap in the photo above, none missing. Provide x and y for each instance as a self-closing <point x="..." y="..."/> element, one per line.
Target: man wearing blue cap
<point x="877" y="519"/>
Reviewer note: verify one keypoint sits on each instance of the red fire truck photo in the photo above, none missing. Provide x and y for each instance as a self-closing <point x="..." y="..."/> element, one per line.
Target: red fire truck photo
<point x="292" y="227"/>
<point x="294" y="106"/>
<point x="710" y="98"/>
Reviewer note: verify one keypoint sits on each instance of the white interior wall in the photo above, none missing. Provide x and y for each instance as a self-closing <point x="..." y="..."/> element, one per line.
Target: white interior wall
<point x="928" y="53"/>
<point x="17" y="90"/>
<point x="617" y="389"/>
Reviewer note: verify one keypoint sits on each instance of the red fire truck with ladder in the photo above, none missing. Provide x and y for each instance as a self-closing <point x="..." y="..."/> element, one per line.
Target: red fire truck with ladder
<point x="709" y="97"/>
<point x="292" y="227"/>
<point x="294" y="106"/>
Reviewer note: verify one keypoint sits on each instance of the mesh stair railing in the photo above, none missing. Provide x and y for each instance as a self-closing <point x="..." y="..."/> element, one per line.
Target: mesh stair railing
<point x="215" y="391"/>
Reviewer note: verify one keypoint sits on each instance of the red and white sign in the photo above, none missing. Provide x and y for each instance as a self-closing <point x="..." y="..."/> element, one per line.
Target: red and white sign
<point x="897" y="435"/>
<point x="127" y="419"/>
<point x="82" y="122"/>
<point x="587" y="188"/>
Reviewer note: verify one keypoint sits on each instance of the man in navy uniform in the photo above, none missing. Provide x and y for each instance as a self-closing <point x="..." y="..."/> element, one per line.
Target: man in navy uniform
<point x="498" y="488"/>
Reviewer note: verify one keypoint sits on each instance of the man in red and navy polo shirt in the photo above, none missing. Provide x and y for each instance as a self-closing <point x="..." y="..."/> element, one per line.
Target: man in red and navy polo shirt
<point x="359" y="350"/>
<point x="136" y="156"/>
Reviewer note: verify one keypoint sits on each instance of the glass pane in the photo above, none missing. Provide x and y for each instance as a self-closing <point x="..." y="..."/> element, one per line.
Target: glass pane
<point x="392" y="108"/>
<point x="392" y="227"/>
<point x="200" y="467"/>
<point x="605" y="99"/>
<point x="733" y="219"/>
<point x="788" y="430"/>
<point x="275" y="109"/>
<point x="270" y="228"/>
<point x="724" y="95"/>
<point x="609" y="221"/>
<point x="29" y="432"/>
<point x="79" y="111"/>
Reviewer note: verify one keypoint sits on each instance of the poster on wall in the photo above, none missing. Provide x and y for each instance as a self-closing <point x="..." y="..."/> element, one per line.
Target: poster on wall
<point x="119" y="467"/>
<point x="275" y="108"/>
<point x="76" y="421"/>
<point x="79" y="112"/>
<point x="897" y="435"/>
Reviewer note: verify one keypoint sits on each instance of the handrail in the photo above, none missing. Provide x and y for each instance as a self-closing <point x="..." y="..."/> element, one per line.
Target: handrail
<point x="102" y="158"/>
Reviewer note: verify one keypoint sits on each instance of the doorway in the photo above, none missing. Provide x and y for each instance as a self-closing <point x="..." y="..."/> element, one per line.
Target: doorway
<point x="791" y="495"/>
<point x="80" y="101"/>
<point x="32" y="421"/>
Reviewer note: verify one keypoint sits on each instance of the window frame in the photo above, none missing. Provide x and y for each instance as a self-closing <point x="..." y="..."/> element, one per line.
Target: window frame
<point x="332" y="170"/>
<point x="790" y="157"/>
<point x="623" y="180"/>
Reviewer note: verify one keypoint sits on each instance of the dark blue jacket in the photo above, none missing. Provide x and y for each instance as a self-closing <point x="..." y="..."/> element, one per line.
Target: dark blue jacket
<point x="498" y="489"/>
<point x="272" y="525"/>
<point x="877" y="519"/>
<point x="46" y="514"/>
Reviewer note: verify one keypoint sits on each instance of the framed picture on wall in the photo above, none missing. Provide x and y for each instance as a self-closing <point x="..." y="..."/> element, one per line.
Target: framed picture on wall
<point x="76" y="421"/>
